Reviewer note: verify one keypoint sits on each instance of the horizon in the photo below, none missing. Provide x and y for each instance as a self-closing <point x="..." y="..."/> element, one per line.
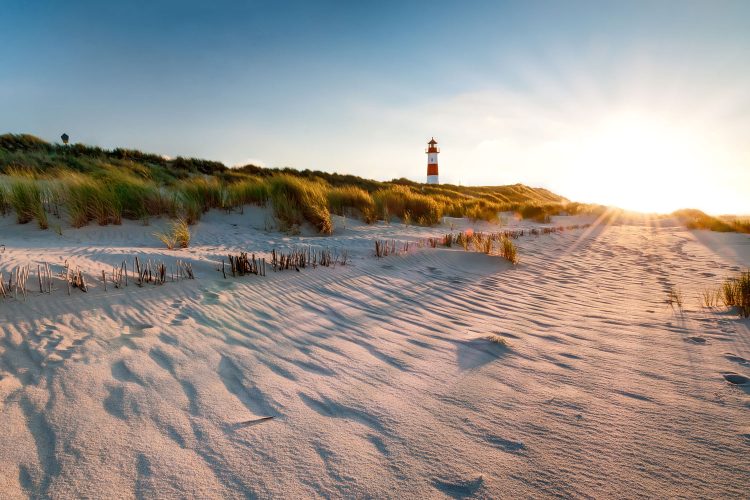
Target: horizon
<point x="637" y="106"/>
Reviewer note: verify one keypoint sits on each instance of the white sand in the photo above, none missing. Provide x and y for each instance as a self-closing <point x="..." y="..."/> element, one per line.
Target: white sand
<point x="377" y="373"/>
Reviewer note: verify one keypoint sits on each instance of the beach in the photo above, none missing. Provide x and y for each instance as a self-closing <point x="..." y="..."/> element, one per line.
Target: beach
<point x="430" y="373"/>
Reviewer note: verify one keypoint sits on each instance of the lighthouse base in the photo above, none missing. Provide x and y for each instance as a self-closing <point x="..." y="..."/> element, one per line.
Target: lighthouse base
<point x="432" y="179"/>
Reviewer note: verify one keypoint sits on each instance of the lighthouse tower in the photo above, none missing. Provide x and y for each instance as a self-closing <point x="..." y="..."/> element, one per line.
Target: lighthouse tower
<point x="432" y="163"/>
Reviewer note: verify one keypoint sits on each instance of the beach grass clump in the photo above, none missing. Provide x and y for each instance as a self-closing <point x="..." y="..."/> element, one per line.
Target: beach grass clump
<point x="203" y="192"/>
<point x="735" y="292"/>
<point x="538" y="213"/>
<point x="88" y="199"/>
<point x="191" y="210"/>
<point x="177" y="236"/>
<point x="508" y="250"/>
<point x="482" y="211"/>
<point x="710" y="298"/>
<point x="403" y="202"/>
<point x="295" y="199"/>
<point x="474" y="208"/>
<point x="132" y="198"/>
<point x="4" y="200"/>
<point x="352" y="200"/>
<point x="27" y="199"/>
<point x="250" y="191"/>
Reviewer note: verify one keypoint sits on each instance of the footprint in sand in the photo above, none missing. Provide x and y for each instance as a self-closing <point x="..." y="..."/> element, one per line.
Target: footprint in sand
<point x="735" y="358"/>
<point x="132" y="332"/>
<point x="696" y="340"/>
<point x="459" y="488"/>
<point x="49" y="329"/>
<point x="140" y="329"/>
<point x="735" y="378"/>
<point x="179" y="319"/>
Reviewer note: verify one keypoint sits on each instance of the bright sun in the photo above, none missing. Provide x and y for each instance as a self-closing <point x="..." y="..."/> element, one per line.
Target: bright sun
<point x="641" y="163"/>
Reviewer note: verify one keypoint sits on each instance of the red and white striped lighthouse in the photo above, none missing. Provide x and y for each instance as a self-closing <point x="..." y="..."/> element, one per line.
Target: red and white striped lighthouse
<point x="432" y="163"/>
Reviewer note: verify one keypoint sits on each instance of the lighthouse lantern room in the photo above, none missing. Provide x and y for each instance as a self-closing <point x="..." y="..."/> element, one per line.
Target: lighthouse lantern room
<point x="432" y="162"/>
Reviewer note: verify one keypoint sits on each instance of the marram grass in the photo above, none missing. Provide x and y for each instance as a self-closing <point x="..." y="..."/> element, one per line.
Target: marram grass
<point x="177" y="236"/>
<point x="294" y="200"/>
<point x="26" y="198"/>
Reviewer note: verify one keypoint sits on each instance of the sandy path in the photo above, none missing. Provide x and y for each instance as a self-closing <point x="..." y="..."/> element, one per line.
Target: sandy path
<point x="379" y="380"/>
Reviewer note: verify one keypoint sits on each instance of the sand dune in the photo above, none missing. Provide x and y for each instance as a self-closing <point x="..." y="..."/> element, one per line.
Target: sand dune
<point x="377" y="374"/>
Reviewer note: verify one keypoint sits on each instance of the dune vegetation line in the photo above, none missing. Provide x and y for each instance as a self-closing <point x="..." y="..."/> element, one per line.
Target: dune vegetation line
<point x="84" y="184"/>
<point x="695" y="219"/>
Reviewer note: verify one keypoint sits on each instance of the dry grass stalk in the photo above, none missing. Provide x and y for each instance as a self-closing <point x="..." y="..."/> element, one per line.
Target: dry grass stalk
<point x="242" y="264"/>
<point x="674" y="298"/>
<point x="384" y="248"/>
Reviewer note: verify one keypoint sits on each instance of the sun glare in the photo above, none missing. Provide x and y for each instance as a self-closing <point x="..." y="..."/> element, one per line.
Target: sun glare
<point x="642" y="163"/>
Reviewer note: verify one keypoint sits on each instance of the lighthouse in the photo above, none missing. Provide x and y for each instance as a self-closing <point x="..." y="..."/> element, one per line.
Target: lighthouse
<point x="432" y="163"/>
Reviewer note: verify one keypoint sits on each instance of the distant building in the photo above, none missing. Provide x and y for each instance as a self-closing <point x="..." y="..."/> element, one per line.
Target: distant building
<point x="432" y="162"/>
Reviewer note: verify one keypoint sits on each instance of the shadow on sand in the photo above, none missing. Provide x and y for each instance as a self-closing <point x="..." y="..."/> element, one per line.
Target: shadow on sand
<point x="475" y="353"/>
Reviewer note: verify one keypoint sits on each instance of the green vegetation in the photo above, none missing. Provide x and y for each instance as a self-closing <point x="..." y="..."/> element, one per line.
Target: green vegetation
<point x="4" y="202"/>
<point x="295" y="199"/>
<point x="408" y="205"/>
<point x="26" y="198"/>
<point x="352" y="200"/>
<point x="87" y="184"/>
<point x="249" y="191"/>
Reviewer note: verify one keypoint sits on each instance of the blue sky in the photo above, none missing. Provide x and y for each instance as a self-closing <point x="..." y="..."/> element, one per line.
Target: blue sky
<point x="590" y="99"/>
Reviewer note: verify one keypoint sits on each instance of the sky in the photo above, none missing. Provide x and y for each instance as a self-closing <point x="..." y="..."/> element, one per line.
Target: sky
<point x="642" y="105"/>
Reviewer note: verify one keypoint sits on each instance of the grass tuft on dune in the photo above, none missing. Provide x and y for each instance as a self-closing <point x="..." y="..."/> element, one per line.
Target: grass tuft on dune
<point x="295" y="200"/>
<point x="735" y="292"/>
<point x="26" y="198"/>
<point x="351" y="200"/>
